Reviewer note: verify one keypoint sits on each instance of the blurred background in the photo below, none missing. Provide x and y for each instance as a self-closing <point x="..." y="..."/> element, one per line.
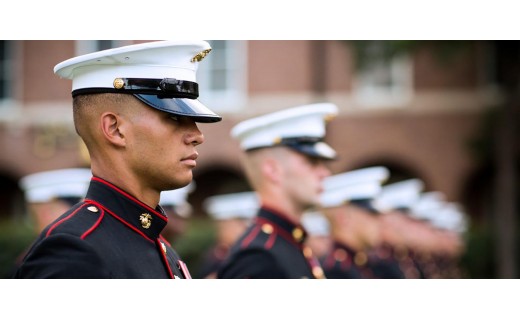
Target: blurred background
<point x="446" y="112"/>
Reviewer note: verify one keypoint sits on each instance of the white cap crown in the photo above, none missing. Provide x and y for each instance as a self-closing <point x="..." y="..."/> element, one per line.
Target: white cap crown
<point x="48" y="185"/>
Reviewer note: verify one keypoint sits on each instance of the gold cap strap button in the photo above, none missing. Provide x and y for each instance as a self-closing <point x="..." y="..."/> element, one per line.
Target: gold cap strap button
<point x="92" y="209"/>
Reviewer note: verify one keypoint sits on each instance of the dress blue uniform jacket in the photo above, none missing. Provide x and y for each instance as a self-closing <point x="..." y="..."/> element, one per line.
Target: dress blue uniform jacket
<point x="341" y="263"/>
<point x="110" y="234"/>
<point x="271" y="248"/>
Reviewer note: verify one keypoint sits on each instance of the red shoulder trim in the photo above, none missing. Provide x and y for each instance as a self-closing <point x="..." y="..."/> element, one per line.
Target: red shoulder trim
<point x="250" y="237"/>
<point x="63" y="220"/>
<point x="89" y="231"/>
<point x="270" y="242"/>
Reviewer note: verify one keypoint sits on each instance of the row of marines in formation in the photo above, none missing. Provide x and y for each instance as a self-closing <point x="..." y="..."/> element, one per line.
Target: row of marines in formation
<point x="136" y="109"/>
<point x="398" y="233"/>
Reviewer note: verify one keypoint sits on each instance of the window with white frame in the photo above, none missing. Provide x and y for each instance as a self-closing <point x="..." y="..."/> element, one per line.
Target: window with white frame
<point x="222" y="76"/>
<point x="383" y="81"/>
<point x="6" y="65"/>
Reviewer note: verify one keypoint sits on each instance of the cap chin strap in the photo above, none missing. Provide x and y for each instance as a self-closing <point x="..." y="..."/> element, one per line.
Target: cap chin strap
<point x="163" y="88"/>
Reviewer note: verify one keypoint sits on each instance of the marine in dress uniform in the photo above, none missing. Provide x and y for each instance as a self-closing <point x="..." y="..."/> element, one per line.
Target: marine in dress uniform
<point x="440" y="225"/>
<point x="49" y="193"/>
<point x="318" y="232"/>
<point x="113" y="233"/>
<point x="399" y="226"/>
<point x="347" y="201"/>
<point x="231" y="213"/>
<point x="285" y="162"/>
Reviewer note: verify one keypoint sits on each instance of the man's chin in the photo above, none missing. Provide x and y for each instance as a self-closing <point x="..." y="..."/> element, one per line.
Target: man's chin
<point x="180" y="183"/>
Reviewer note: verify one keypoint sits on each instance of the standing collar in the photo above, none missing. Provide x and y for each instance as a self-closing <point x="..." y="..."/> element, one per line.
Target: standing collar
<point x="281" y="223"/>
<point x="130" y="211"/>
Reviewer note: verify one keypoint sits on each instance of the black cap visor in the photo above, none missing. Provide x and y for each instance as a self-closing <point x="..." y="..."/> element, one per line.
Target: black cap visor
<point x="185" y="107"/>
<point x="365" y="204"/>
<point x="315" y="149"/>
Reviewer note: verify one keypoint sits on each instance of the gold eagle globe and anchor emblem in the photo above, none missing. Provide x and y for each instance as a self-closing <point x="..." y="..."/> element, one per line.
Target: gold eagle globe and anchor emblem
<point x="199" y="56"/>
<point x="146" y="220"/>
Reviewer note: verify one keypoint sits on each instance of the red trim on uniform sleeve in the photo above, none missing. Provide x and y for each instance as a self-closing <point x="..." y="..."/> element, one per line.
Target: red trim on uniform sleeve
<point x="250" y="237"/>
<point x="165" y="260"/>
<point x="270" y="242"/>
<point x="130" y="197"/>
<point x="329" y="260"/>
<point x="122" y="221"/>
<point x="164" y="239"/>
<point x="64" y="219"/>
<point x="89" y="231"/>
<point x="284" y="234"/>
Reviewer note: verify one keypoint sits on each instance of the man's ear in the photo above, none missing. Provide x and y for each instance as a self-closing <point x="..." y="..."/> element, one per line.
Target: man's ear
<point x="272" y="170"/>
<point x="111" y="127"/>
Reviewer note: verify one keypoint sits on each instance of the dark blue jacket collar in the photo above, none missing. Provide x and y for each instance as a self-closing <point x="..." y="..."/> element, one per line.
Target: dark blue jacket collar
<point x="126" y="208"/>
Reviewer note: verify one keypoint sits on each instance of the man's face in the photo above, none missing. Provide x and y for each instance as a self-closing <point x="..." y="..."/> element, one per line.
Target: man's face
<point x="303" y="178"/>
<point x="162" y="148"/>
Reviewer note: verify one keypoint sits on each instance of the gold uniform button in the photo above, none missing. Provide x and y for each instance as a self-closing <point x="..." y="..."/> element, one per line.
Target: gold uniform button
<point x="92" y="209"/>
<point x="317" y="272"/>
<point x="163" y="247"/>
<point x="360" y="259"/>
<point x="297" y="233"/>
<point x="307" y="252"/>
<point x="267" y="228"/>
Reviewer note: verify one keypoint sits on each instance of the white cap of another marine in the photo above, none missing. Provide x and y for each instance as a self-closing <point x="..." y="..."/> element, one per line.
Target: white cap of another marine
<point x="428" y="205"/>
<point x="356" y="185"/>
<point x="400" y="195"/>
<point x="301" y="128"/>
<point x="315" y="223"/>
<point x="178" y="198"/>
<point x="242" y="205"/>
<point x="54" y="184"/>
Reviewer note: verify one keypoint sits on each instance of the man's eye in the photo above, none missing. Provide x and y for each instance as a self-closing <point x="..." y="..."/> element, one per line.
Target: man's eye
<point x="174" y="118"/>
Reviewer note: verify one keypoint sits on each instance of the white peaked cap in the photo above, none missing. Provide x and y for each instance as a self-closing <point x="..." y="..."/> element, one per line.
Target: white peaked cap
<point x="403" y="194"/>
<point x="233" y="205"/>
<point x="315" y="223"/>
<point x="161" y="74"/>
<point x="359" y="184"/>
<point x="307" y="121"/>
<point x="159" y="59"/>
<point x="178" y="196"/>
<point x="451" y="218"/>
<point x="428" y="205"/>
<point x="48" y="185"/>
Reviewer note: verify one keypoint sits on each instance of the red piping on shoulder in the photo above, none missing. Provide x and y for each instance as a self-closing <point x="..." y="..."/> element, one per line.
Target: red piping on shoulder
<point x="63" y="220"/>
<point x="89" y="231"/>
